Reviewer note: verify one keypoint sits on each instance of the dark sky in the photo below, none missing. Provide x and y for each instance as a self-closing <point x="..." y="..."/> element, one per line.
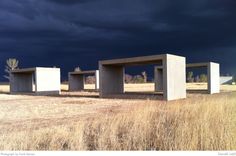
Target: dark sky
<point x="70" y="33"/>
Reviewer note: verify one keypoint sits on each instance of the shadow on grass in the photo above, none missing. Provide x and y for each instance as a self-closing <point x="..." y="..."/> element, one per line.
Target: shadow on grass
<point x="136" y="95"/>
<point x="197" y="91"/>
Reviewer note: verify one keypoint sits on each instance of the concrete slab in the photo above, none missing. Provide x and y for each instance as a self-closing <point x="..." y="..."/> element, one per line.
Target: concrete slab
<point x="213" y="78"/>
<point x="226" y="80"/>
<point x="174" y="81"/>
<point x="158" y="78"/>
<point x="46" y="81"/>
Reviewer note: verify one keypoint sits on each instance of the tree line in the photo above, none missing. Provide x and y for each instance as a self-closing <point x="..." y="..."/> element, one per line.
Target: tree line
<point x="13" y="63"/>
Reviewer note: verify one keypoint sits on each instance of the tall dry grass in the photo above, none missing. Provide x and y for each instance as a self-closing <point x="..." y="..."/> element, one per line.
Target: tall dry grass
<point x="199" y="123"/>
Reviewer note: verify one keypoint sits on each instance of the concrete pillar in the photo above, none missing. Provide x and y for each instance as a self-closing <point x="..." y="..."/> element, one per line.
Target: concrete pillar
<point x="213" y="74"/>
<point x="174" y="79"/>
<point x="97" y="80"/>
<point x="111" y="80"/>
<point x="47" y="81"/>
<point x="76" y="82"/>
<point x="21" y="82"/>
<point x="158" y="79"/>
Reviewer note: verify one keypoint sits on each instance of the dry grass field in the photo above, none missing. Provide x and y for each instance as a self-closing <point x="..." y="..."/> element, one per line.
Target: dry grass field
<point x="82" y="121"/>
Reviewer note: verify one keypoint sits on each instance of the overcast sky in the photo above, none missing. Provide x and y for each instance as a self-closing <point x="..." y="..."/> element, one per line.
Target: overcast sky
<point x="70" y="33"/>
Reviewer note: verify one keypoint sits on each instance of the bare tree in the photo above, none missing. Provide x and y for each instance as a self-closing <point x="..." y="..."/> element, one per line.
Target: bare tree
<point x="144" y="76"/>
<point x="11" y="64"/>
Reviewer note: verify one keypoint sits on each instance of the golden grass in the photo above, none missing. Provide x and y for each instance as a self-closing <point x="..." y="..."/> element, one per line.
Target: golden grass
<point x="200" y="122"/>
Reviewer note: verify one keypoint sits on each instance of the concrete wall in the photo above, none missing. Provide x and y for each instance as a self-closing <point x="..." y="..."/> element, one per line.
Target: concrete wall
<point x="76" y="82"/>
<point x="173" y="74"/>
<point x="111" y="80"/>
<point x="174" y="79"/>
<point x="213" y="78"/>
<point x="226" y="80"/>
<point x="47" y="81"/>
<point x="21" y="82"/>
<point x="97" y="80"/>
<point x="158" y="79"/>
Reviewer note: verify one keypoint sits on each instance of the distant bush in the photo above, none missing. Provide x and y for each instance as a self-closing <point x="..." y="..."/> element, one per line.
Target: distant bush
<point x="90" y="80"/>
<point x="128" y="78"/>
<point x="203" y="78"/>
<point x="136" y="78"/>
<point x="77" y="69"/>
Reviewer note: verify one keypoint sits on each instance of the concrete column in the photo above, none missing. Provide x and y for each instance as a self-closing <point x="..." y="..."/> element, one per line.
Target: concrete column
<point x="76" y="82"/>
<point x="47" y="81"/>
<point x="213" y="74"/>
<point x="111" y="80"/>
<point x="97" y="80"/>
<point x="174" y="79"/>
<point x="21" y="82"/>
<point x="158" y="79"/>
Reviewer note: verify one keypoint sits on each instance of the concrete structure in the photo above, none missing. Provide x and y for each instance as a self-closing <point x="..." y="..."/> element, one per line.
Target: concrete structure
<point x="38" y="80"/>
<point x="213" y="75"/>
<point x="158" y="78"/>
<point x="174" y="71"/>
<point x="77" y="79"/>
<point x="226" y="80"/>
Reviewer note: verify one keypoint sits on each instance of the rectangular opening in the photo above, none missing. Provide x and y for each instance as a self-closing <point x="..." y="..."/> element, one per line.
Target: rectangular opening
<point x="174" y="70"/>
<point x="84" y="80"/>
<point x="22" y="82"/>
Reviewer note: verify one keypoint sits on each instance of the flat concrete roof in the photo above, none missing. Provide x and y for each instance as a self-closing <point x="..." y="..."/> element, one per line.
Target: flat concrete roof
<point x="25" y="70"/>
<point x="83" y="72"/>
<point x="30" y="70"/>
<point x="153" y="59"/>
<point x="197" y="65"/>
<point x="191" y="65"/>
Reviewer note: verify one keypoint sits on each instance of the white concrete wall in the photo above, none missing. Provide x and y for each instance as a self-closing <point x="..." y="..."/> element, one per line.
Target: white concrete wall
<point x="47" y="81"/>
<point x="97" y="80"/>
<point x="213" y="78"/>
<point x="174" y="82"/>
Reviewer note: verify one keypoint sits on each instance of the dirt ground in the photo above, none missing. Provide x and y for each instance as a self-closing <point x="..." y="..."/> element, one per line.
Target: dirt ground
<point x="19" y="112"/>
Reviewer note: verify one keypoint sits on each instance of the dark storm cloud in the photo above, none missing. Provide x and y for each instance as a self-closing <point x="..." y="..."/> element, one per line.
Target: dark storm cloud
<point x="69" y="2"/>
<point x="80" y="32"/>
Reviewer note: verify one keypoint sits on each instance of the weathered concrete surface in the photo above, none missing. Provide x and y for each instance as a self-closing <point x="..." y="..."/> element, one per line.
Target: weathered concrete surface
<point x="111" y="80"/>
<point x="226" y="80"/>
<point x="22" y="82"/>
<point x="77" y="79"/>
<point x="174" y="81"/>
<point x="46" y="80"/>
<point x="213" y="78"/>
<point x="76" y="82"/>
<point x="213" y="75"/>
<point x="158" y="78"/>
<point x="213" y="72"/>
